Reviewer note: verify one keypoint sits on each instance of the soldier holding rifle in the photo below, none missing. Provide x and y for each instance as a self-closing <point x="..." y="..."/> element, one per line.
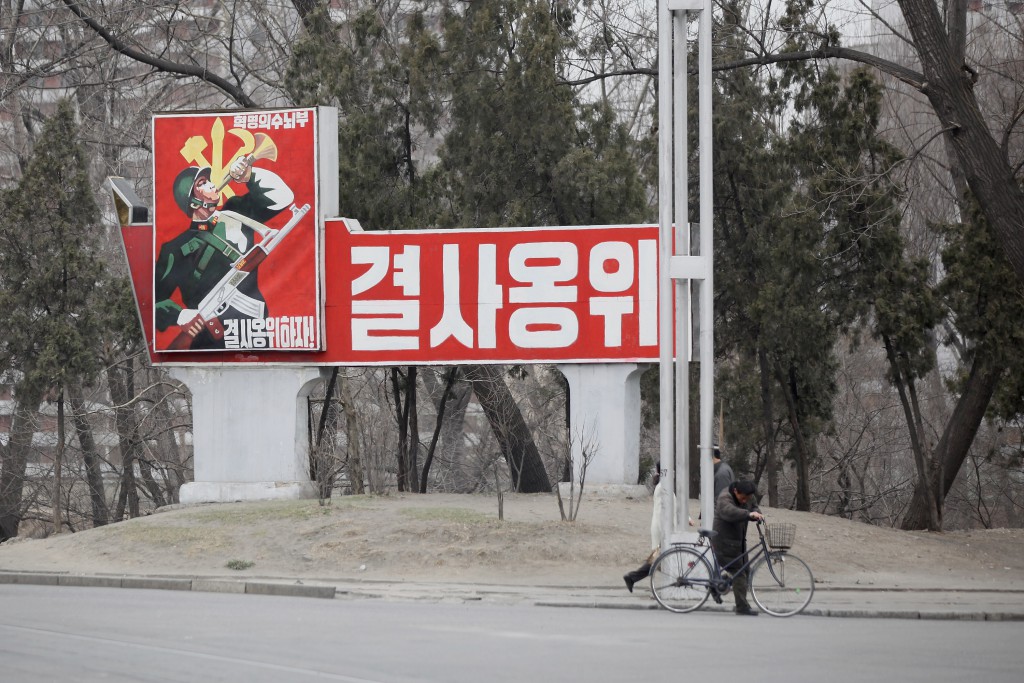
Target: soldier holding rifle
<point x="198" y="261"/>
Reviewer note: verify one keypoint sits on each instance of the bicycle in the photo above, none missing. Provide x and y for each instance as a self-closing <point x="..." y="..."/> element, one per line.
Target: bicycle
<point x="683" y="577"/>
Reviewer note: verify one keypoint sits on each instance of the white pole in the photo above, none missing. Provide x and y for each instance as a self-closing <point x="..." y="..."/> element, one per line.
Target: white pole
<point x="665" y="307"/>
<point x="682" y="287"/>
<point x="707" y="351"/>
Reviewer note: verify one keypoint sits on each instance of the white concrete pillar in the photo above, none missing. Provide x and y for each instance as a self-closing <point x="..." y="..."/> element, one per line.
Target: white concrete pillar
<point x="604" y="415"/>
<point x="250" y="432"/>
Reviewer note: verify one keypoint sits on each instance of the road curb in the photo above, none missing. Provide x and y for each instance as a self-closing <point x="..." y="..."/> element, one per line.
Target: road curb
<point x="297" y="589"/>
<point x="328" y="589"/>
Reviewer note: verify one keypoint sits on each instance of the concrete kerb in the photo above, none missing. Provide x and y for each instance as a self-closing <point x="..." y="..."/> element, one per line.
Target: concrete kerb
<point x="827" y="603"/>
<point x="289" y="588"/>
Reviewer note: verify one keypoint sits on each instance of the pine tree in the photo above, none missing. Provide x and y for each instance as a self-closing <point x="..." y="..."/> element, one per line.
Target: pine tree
<point x="51" y="289"/>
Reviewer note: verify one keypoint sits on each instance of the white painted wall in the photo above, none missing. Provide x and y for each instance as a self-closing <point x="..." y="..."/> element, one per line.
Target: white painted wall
<point x="250" y="432"/>
<point x="604" y="413"/>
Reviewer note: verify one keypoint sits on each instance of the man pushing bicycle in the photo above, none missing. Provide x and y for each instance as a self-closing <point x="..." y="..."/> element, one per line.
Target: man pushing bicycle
<point x="734" y="508"/>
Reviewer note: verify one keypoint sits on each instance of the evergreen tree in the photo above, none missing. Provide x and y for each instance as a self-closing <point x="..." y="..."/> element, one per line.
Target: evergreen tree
<point x="377" y="77"/>
<point x="771" y="306"/>
<point x="52" y="290"/>
<point x="522" y="149"/>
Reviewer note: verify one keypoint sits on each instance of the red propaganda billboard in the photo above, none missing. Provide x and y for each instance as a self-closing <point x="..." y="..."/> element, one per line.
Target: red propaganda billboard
<point x="554" y="294"/>
<point x="236" y="241"/>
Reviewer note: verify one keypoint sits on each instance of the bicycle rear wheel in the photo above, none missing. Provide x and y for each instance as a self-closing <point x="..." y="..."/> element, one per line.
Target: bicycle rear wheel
<point x="781" y="584"/>
<point x="680" y="579"/>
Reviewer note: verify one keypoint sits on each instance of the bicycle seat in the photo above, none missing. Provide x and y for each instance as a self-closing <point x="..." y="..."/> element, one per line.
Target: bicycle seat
<point x="707" y="533"/>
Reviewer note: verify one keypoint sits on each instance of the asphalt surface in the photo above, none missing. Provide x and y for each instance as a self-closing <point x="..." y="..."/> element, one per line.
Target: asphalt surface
<point x="986" y="604"/>
<point x="84" y="635"/>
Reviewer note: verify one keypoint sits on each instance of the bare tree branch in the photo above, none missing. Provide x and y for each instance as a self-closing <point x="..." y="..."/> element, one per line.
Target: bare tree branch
<point x="912" y="78"/>
<point x="228" y="88"/>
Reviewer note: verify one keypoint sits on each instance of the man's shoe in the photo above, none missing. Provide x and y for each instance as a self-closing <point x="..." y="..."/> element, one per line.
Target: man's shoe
<point x="747" y="612"/>
<point x="636" y="575"/>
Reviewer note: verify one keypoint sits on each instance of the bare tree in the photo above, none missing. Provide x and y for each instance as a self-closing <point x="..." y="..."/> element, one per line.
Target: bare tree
<point x="589" y="448"/>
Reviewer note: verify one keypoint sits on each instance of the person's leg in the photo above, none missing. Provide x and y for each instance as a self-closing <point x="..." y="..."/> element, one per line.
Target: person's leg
<point x="637" y="575"/>
<point x="740" y="584"/>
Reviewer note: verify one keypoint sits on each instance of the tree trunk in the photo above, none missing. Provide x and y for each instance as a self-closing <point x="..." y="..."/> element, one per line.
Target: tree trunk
<point x="451" y="445"/>
<point x="120" y="384"/>
<point x="510" y="429"/>
<point x="352" y="438"/>
<point x="767" y="422"/>
<point x="156" y="494"/>
<point x="955" y="442"/>
<point x="170" y="449"/>
<point x="15" y="461"/>
<point x="437" y="428"/>
<point x="949" y="88"/>
<point x="922" y="460"/>
<point x="58" y="461"/>
<point x="402" y="416"/>
<point x="322" y="466"/>
<point x="414" y="429"/>
<point x="694" y="422"/>
<point x="91" y="457"/>
<point x="803" y="492"/>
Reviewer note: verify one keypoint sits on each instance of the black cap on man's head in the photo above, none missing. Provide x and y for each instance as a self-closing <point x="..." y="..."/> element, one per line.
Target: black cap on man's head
<point x="746" y="487"/>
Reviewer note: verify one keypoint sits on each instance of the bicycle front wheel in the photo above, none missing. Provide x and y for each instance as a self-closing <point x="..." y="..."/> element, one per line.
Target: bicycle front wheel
<point x="681" y="580"/>
<point x="781" y="584"/>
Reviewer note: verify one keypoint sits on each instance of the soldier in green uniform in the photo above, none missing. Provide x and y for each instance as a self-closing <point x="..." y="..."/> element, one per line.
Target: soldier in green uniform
<point x="195" y="261"/>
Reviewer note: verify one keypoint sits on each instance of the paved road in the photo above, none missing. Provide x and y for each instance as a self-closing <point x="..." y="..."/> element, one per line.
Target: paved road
<point x="97" y="634"/>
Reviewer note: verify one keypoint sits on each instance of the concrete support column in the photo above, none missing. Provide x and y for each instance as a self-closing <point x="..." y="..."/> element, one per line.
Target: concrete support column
<point x="604" y="415"/>
<point x="250" y="432"/>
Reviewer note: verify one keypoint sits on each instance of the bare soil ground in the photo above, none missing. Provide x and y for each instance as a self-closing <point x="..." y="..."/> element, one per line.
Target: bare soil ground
<point x="459" y="538"/>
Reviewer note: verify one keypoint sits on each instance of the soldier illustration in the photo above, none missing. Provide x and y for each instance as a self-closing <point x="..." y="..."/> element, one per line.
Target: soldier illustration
<point x="197" y="261"/>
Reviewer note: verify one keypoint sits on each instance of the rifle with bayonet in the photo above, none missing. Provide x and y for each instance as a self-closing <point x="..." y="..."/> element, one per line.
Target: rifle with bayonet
<point x="226" y="292"/>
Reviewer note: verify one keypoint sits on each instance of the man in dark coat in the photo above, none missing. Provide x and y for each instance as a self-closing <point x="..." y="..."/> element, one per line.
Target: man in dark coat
<point x="734" y="508"/>
<point x="723" y="473"/>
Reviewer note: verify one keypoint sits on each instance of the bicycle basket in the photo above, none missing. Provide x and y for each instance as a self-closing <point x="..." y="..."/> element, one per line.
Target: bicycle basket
<point x="781" y="536"/>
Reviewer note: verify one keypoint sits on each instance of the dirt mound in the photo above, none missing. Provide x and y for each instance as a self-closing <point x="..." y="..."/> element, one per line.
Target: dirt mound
<point x="459" y="538"/>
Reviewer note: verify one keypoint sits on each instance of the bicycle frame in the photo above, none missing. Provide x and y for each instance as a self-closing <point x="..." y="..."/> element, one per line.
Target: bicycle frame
<point x="717" y="582"/>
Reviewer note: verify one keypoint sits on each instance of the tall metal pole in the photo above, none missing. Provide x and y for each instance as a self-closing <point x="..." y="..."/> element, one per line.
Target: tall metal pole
<point x="665" y="307"/>
<point x="679" y="268"/>
<point x="681" y="287"/>
<point x="707" y="339"/>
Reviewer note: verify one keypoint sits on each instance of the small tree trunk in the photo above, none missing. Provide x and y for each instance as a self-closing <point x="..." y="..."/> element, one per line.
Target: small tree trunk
<point x="510" y="429"/>
<point x="803" y="493"/>
<point x="352" y="438"/>
<point x="156" y="494"/>
<point x="414" y="429"/>
<point x="121" y="391"/>
<point x="437" y="428"/>
<point x="91" y="457"/>
<point x="767" y="425"/>
<point x="58" y="458"/>
<point x="956" y="440"/>
<point x="922" y="460"/>
<point x="402" y="416"/>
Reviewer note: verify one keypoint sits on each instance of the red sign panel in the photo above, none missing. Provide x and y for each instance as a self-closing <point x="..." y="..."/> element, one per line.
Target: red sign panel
<point x="235" y="249"/>
<point x="500" y="295"/>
